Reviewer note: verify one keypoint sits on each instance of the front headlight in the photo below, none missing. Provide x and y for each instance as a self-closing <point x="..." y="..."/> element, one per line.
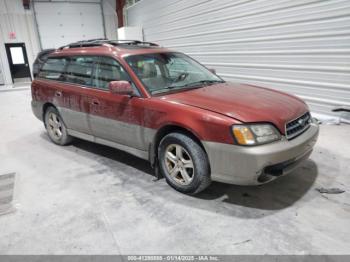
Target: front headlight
<point x="255" y="134"/>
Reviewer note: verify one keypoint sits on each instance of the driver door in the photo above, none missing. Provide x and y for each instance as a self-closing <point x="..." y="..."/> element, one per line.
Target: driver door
<point x="113" y="117"/>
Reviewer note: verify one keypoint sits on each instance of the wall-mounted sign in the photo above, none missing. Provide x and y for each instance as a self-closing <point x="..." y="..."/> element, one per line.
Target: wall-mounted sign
<point x="12" y="35"/>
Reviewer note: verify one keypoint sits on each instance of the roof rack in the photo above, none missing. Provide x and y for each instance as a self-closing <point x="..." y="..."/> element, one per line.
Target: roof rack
<point x="102" y="41"/>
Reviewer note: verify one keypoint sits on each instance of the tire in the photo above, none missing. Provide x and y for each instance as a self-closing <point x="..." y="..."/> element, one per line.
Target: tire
<point x="56" y="128"/>
<point x="184" y="163"/>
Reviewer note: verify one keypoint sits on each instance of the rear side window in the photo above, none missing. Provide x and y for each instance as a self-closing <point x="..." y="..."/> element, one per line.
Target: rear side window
<point x="79" y="70"/>
<point x="53" y="68"/>
<point x="107" y="70"/>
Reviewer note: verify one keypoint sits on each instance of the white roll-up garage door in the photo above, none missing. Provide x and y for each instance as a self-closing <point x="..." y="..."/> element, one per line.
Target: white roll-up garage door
<point x="60" y="23"/>
<point x="300" y="46"/>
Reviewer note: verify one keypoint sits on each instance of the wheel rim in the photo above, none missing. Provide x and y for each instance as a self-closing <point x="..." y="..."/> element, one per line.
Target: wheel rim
<point x="54" y="126"/>
<point x="179" y="164"/>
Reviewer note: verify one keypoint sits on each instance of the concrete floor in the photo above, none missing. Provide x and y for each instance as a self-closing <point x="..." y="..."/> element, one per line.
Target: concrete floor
<point x="91" y="199"/>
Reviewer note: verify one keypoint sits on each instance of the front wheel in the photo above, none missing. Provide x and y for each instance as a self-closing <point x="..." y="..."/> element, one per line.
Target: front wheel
<point x="184" y="163"/>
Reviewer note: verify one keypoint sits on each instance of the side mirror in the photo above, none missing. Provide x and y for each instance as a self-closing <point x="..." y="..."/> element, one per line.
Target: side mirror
<point x="212" y="70"/>
<point x="120" y="88"/>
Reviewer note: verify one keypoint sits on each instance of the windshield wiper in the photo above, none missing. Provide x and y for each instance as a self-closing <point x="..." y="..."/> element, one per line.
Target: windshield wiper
<point x="193" y="85"/>
<point x="205" y="82"/>
<point x="197" y="84"/>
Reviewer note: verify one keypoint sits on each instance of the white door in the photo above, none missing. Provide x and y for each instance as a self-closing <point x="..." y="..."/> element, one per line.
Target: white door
<point x="61" y="23"/>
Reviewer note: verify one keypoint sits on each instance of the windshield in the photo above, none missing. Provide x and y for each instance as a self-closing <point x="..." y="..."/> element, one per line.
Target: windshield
<point x="162" y="72"/>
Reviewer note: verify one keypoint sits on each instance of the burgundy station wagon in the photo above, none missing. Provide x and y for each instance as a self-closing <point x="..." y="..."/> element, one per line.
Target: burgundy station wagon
<point x="163" y="106"/>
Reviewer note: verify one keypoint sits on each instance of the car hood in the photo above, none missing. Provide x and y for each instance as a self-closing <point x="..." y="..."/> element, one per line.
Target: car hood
<point x="245" y="103"/>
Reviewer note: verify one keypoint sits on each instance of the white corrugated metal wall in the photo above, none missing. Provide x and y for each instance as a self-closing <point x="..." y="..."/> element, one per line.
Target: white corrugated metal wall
<point x="14" y="18"/>
<point x="301" y="46"/>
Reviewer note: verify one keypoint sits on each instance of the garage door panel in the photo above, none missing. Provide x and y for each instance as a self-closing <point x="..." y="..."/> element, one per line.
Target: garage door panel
<point x="58" y="32"/>
<point x="65" y="7"/>
<point x="60" y="23"/>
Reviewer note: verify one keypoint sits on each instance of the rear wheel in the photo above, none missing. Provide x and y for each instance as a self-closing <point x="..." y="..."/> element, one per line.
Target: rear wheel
<point x="184" y="163"/>
<point x="55" y="127"/>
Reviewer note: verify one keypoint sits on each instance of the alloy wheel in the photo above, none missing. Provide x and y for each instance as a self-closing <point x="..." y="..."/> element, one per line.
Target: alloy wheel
<point x="179" y="164"/>
<point x="54" y="125"/>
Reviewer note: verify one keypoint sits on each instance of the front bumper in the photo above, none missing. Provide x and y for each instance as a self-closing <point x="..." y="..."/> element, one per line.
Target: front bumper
<point x="244" y="165"/>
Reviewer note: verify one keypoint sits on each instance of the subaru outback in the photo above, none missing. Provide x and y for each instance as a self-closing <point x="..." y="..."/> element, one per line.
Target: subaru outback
<point x="165" y="107"/>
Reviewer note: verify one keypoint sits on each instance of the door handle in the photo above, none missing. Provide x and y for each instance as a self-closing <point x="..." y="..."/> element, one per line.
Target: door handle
<point x="58" y="93"/>
<point x="95" y="102"/>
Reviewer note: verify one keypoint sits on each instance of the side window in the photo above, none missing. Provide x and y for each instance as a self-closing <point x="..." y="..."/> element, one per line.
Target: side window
<point x="107" y="70"/>
<point x="150" y="71"/>
<point x="79" y="70"/>
<point x="53" y="68"/>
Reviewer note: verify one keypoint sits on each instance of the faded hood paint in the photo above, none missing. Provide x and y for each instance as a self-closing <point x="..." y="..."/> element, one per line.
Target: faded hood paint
<point x="245" y="103"/>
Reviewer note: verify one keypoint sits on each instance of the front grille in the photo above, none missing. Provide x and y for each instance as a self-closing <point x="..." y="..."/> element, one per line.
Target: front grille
<point x="298" y="126"/>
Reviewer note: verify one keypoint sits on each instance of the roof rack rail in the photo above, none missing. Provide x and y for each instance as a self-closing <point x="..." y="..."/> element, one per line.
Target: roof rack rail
<point x="133" y="42"/>
<point x="102" y="41"/>
<point x="82" y="43"/>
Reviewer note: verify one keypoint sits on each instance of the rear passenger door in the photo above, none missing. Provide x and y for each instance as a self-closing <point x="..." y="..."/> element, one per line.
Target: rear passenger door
<point x="78" y="80"/>
<point x="115" y="118"/>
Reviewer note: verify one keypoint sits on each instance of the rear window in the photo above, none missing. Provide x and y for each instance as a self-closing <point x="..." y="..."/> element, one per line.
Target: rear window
<point x="53" y="68"/>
